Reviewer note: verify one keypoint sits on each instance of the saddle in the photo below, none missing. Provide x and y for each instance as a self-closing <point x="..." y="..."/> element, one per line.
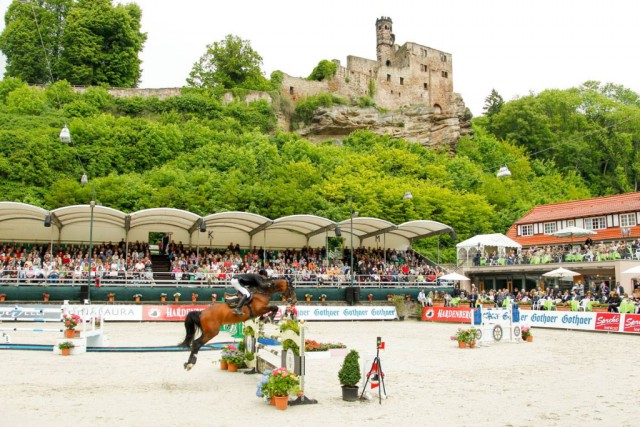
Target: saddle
<point x="232" y="299"/>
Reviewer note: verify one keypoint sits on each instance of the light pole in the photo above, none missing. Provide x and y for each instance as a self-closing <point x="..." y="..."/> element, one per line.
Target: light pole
<point x="352" y="214"/>
<point x="65" y="136"/>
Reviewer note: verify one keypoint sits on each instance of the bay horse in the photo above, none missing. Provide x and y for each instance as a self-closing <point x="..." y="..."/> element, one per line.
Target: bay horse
<point x="209" y="321"/>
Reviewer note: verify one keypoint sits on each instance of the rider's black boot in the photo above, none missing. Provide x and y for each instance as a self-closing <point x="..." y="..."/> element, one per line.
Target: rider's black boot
<point x="238" y="309"/>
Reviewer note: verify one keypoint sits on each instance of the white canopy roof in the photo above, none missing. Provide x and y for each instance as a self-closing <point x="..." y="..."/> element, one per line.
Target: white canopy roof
<point x="498" y="240"/>
<point x="26" y="223"/>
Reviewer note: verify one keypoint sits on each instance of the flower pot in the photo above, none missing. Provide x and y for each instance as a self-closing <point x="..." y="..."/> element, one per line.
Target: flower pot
<point x="530" y="338"/>
<point x="137" y="299"/>
<point x="350" y="393"/>
<point x="307" y="299"/>
<point x="281" y="402"/>
<point x="110" y="299"/>
<point x="272" y="401"/>
<point x="233" y="367"/>
<point x="563" y="308"/>
<point x="163" y="299"/>
<point x="224" y="365"/>
<point x="370" y="297"/>
<point x="462" y="344"/>
<point x="323" y="299"/>
<point x="472" y="345"/>
<point x="69" y="333"/>
<point x="408" y="298"/>
<point x="2" y="298"/>
<point x="213" y="298"/>
<point x="524" y="306"/>
<point x="46" y="299"/>
<point x="194" y="299"/>
<point x="65" y="351"/>
<point x="176" y="299"/>
<point x="389" y="298"/>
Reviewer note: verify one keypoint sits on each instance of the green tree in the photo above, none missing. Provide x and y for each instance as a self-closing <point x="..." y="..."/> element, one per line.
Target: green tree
<point x="227" y="64"/>
<point x="324" y="70"/>
<point x="86" y="42"/>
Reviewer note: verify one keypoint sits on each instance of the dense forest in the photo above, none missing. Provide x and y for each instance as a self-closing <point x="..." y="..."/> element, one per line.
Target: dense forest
<point x="197" y="153"/>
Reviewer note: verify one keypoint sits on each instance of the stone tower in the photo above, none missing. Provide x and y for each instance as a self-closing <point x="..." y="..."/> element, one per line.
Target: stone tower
<point x="384" y="39"/>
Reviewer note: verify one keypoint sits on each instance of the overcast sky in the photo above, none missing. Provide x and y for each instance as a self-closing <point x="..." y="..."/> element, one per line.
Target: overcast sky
<point x="513" y="46"/>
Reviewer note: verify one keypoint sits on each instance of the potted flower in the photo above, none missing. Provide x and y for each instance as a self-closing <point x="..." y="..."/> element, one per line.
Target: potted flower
<point x="526" y="334"/>
<point x="236" y="359"/>
<point x="2" y="297"/>
<point x="214" y="297"/>
<point x="389" y="297"/>
<point x="70" y="323"/>
<point x="65" y="347"/>
<point x="45" y="297"/>
<point x="323" y="297"/>
<point x="111" y="296"/>
<point x="280" y="384"/>
<point x="370" y="297"/>
<point x="308" y="297"/>
<point x="163" y="297"/>
<point x="465" y="337"/>
<point x="349" y="376"/>
<point x="176" y="296"/>
<point x="137" y="297"/>
<point x="408" y="297"/>
<point x="194" y="297"/>
<point x="225" y="355"/>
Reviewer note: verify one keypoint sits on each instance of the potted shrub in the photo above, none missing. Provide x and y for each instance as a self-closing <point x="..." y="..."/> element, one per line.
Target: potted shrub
<point x="308" y="297"/>
<point x="2" y="297"/>
<point x="214" y="297"/>
<point x="65" y="347"/>
<point x="137" y="297"/>
<point x="370" y="297"/>
<point x="194" y="297"/>
<point x="323" y="298"/>
<point x="176" y="296"/>
<point x="235" y="360"/>
<point x="438" y="302"/>
<point x="111" y="296"/>
<point x="45" y="297"/>
<point x="462" y="336"/>
<point x="163" y="297"/>
<point x="401" y="308"/>
<point x="563" y="306"/>
<point x="349" y="376"/>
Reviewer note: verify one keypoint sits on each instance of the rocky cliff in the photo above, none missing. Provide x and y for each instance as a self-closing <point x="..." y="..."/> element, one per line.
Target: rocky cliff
<point x="416" y="123"/>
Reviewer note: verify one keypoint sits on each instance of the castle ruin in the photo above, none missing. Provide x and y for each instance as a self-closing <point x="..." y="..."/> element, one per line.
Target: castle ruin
<point x="400" y="76"/>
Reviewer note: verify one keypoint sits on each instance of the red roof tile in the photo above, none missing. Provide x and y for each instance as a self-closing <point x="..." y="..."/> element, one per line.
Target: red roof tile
<point x="621" y="203"/>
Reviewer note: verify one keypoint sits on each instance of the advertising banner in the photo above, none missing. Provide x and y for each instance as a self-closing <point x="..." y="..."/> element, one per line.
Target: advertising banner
<point x="447" y="314"/>
<point x="607" y="322"/>
<point x="631" y="323"/>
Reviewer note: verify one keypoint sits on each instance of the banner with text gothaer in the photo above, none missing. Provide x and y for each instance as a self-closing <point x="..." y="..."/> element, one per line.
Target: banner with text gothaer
<point x="177" y="313"/>
<point x="447" y="314"/>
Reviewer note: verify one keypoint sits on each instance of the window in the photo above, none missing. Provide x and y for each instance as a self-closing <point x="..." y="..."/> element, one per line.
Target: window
<point x="549" y="227"/>
<point x="445" y="74"/>
<point x="597" y="223"/>
<point x="527" y="230"/>
<point x="628" y="220"/>
<point x="423" y="52"/>
<point x="423" y="68"/>
<point x="443" y="57"/>
<point x="571" y="223"/>
<point x="401" y="80"/>
<point x="388" y="77"/>
<point x="425" y="86"/>
<point x="388" y="63"/>
<point x="290" y="90"/>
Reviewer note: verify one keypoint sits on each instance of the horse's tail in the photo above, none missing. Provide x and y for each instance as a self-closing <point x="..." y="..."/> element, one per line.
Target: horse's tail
<point x="191" y="323"/>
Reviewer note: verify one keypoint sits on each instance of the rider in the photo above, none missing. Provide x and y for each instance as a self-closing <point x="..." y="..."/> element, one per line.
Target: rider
<point x="242" y="281"/>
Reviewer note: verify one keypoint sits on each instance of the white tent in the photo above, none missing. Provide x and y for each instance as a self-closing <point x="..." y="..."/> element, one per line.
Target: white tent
<point x="490" y="242"/>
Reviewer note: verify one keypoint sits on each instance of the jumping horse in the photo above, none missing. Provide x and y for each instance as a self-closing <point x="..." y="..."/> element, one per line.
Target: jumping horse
<point x="209" y="321"/>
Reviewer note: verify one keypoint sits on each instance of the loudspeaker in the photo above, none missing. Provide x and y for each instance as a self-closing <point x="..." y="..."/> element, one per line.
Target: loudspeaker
<point x="47" y="220"/>
<point x="203" y="225"/>
<point x="84" y="292"/>
<point x="348" y="295"/>
<point x="356" y="294"/>
<point x="338" y="232"/>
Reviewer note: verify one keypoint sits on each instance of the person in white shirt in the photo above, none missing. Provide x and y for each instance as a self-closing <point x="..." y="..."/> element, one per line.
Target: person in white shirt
<point x="422" y="299"/>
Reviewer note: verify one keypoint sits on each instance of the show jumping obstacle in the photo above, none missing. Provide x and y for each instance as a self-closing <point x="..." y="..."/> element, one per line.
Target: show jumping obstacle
<point x="498" y="324"/>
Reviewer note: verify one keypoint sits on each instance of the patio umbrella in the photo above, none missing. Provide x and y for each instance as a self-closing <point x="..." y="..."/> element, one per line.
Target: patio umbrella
<point x="573" y="232"/>
<point x="632" y="270"/>
<point x="453" y="277"/>
<point x="561" y="273"/>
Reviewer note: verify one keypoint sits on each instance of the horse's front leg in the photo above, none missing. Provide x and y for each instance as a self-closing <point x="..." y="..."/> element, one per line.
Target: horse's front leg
<point x="271" y="314"/>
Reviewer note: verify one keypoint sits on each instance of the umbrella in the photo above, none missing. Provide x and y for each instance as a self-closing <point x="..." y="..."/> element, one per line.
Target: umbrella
<point x="561" y="273"/>
<point x="573" y="232"/>
<point x="632" y="270"/>
<point x="453" y="277"/>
